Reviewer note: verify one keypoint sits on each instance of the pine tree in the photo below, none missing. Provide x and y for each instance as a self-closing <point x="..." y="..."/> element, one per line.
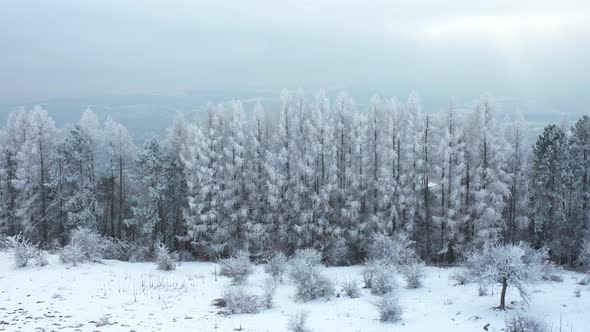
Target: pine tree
<point x="550" y="176"/>
<point x="579" y="196"/>
<point x="148" y="217"/>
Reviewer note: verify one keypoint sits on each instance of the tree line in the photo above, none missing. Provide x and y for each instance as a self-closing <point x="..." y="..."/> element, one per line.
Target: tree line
<point x="315" y="173"/>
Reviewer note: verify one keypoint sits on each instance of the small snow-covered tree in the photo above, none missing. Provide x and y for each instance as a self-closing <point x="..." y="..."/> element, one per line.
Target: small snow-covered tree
<point x="165" y="259"/>
<point x="515" y="265"/>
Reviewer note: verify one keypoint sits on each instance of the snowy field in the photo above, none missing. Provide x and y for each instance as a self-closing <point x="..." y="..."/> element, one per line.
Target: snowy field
<point x="121" y="296"/>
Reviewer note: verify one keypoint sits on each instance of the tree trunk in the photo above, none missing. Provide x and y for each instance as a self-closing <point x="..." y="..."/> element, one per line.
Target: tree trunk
<point x="503" y="294"/>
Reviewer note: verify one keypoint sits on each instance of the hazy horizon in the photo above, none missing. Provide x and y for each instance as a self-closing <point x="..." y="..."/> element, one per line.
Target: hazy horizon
<point x="534" y="52"/>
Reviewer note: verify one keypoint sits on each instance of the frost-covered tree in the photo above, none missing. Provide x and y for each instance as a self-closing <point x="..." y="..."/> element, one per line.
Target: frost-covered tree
<point x="148" y="215"/>
<point x="120" y="150"/>
<point x="450" y="154"/>
<point x="509" y="265"/>
<point x="549" y="187"/>
<point x="579" y="197"/>
<point x="204" y="163"/>
<point x="236" y="221"/>
<point x="32" y="175"/>
<point x="261" y="225"/>
<point x="176" y="190"/>
<point x="489" y="181"/>
<point x="15" y="136"/>
<point x="75" y="179"/>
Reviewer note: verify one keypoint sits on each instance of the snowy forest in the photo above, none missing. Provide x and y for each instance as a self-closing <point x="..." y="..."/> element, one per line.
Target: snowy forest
<point x="316" y="173"/>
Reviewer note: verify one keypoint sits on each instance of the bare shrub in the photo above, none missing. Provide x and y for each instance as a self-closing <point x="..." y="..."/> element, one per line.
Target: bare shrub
<point x="337" y="252"/>
<point x="304" y="273"/>
<point x="460" y="277"/>
<point x="553" y="277"/>
<point x="269" y="289"/>
<point x="368" y="273"/>
<point x="298" y="322"/>
<point x="166" y="261"/>
<point x="41" y="258"/>
<point x="578" y="291"/>
<point x="382" y="279"/>
<point x="277" y="266"/>
<point x="389" y="308"/>
<point x="397" y="250"/>
<point x="89" y="243"/>
<point x="311" y="257"/>
<point x="413" y="274"/>
<point x="24" y="251"/>
<point x="526" y="324"/>
<point x="351" y="289"/>
<point x="72" y="254"/>
<point x="240" y="301"/>
<point x="238" y="267"/>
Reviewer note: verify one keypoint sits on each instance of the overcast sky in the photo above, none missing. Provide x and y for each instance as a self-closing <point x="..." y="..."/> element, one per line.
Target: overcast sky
<point x="534" y="50"/>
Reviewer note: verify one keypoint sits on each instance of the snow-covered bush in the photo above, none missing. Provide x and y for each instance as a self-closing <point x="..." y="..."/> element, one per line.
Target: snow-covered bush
<point x="166" y="261"/>
<point x="379" y="277"/>
<point x="351" y="289"/>
<point x="115" y="249"/>
<point x="397" y="250"/>
<point x="41" y="258"/>
<point x="137" y="253"/>
<point x="383" y="281"/>
<point x="584" y="281"/>
<point x="578" y="291"/>
<point x="89" y="243"/>
<point x="389" y="308"/>
<point x="24" y="251"/>
<point x="72" y="254"/>
<point x="525" y="324"/>
<point x="461" y="277"/>
<point x="368" y="273"/>
<point x="240" y="301"/>
<point x="304" y="273"/>
<point x="269" y="289"/>
<point x="315" y="286"/>
<point x="298" y="322"/>
<point x="413" y="274"/>
<point x="515" y="265"/>
<point x="337" y="252"/>
<point x="277" y="266"/>
<point x="237" y="267"/>
<point x="311" y="257"/>
<point x="482" y="289"/>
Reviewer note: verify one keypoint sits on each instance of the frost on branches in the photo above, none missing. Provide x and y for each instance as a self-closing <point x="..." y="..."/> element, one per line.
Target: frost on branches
<point x="518" y="266"/>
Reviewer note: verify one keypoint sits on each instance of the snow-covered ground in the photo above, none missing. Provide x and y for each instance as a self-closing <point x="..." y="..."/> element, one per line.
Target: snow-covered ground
<point x="120" y="296"/>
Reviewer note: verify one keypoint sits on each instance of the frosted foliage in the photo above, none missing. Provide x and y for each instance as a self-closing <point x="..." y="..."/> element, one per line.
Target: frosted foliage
<point x="238" y="267"/>
<point x="517" y="266"/>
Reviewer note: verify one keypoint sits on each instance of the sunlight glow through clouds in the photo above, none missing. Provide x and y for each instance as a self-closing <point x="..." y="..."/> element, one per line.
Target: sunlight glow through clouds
<point x="501" y="26"/>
